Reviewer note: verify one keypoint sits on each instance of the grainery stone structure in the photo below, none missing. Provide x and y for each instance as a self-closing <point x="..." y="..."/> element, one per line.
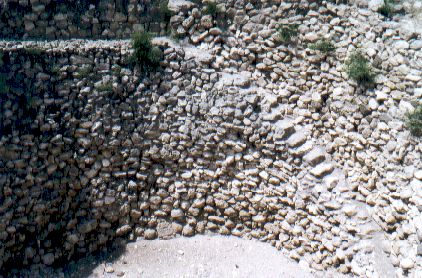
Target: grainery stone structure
<point x="235" y="134"/>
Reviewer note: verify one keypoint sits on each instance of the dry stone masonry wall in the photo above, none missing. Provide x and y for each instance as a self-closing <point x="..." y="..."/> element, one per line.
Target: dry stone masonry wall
<point x="66" y="19"/>
<point x="235" y="134"/>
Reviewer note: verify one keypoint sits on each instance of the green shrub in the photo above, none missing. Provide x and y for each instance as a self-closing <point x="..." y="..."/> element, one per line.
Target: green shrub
<point x="142" y="45"/>
<point x="163" y="12"/>
<point x="34" y="51"/>
<point x="212" y="9"/>
<point x="105" y="87"/>
<point x="155" y="56"/>
<point x="414" y="121"/>
<point x="287" y="32"/>
<point x="1" y="58"/>
<point x="84" y="72"/>
<point x="386" y="9"/>
<point x="144" y="53"/>
<point x="323" y="45"/>
<point x="55" y="70"/>
<point x="359" y="69"/>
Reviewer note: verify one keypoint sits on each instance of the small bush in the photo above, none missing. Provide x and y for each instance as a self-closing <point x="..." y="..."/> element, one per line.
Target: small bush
<point x="144" y="53"/>
<point x="55" y="70"/>
<point x="414" y="121"/>
<point x="105" y="87"/>
<point x="323" y="45"/>
<point x="287" y="32"/>
<point x="163" y="12"/>
<point x="359" y="69"/>
<point x="84" y="72"/>
<point x="155" y="56"/>
<point x="386" y="9"/>
<point x="34" y="51"/>
<point x="142" y="45"/>
<point x="212" y="9"/>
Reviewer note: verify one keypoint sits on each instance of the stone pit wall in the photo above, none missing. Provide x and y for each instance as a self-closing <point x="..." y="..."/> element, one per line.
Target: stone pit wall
<point x="92" y="150"/>
<point x="236" y="134"/>
<point x="59" y="133"/>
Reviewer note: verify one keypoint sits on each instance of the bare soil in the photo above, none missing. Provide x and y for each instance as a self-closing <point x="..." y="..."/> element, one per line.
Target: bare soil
<point x="200" y="256"/>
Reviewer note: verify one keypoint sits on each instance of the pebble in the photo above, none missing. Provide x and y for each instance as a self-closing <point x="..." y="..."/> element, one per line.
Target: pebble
<point x="407" y="263"/>
<point x="150" y="234"/>
<point x="109" y="269"/>
<point x="418" y="174"/>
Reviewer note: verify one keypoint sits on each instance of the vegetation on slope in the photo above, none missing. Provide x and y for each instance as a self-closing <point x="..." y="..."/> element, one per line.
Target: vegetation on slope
<point x="144" y="53"/>
<point x="414" y="121"/>
<point x="358" y="68"/>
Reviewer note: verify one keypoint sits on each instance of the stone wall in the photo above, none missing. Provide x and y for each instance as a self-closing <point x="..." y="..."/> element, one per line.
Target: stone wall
<point x="53" y="144"/>
<point x="90" y="153"/>
<point x="92" y="19"/>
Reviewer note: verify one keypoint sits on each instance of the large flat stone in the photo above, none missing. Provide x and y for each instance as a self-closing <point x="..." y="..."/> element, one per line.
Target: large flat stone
<point x="283" y="129"/>
<point x="297" y="139"/>
<point x="316" y="156"/>
<point x="322" y="169"/>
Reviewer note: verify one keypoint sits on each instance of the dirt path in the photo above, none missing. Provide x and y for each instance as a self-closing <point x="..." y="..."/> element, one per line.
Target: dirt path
<point x="200" y="256"/>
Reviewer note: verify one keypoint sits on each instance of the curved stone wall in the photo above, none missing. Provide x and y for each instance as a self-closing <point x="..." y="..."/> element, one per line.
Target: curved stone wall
<point x="100" y="156"/>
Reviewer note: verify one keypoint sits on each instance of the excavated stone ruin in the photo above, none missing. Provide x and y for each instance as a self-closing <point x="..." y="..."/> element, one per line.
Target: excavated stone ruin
<point x="234" y="134"/>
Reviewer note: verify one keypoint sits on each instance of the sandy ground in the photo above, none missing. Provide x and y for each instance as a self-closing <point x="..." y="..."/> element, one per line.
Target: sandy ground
<point x="200" y="256"/>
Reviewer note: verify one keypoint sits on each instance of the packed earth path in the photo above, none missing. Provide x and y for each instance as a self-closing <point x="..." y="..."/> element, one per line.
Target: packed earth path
<point x="201" y="256"/>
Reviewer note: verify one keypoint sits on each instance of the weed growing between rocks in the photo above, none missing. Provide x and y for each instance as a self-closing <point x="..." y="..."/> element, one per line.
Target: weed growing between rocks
<point x="212" y="9"/>
<point x="55" y="70"/>
<point x="34" y="51"/>
<point x="144" y="53"/>
<point x="106" y="87"/>
<point x="323" y="45"/>
<point x="84" y="72"/>
<point x="287" y="32"/>
<point x="414" y="121"/>
<point x="358" y="68"/>
<point x="386" y="9"/>
<point x="162" y="12"/>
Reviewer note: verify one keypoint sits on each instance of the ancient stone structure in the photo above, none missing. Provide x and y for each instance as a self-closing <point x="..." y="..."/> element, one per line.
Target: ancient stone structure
<point x="64" y="19"/>
<point x="235" y="134"/>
